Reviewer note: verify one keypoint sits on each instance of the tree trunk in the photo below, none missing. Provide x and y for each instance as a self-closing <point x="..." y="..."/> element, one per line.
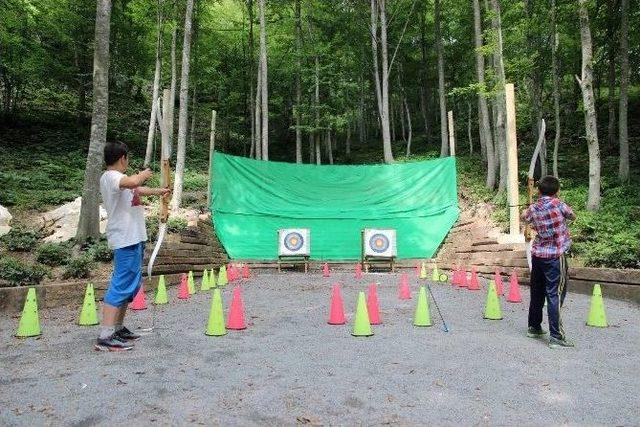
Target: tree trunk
<point x="611" y="59"/>
<point x="298" y="86"/>
<point x="347" y="144"/>
<point x="184" y="111"/>
<point x="393" y="124"/>
<point x="374" y="50"/>
<point x="484" y="124"/>
<point x="251" y="81"/>
<point x="556" y="86"/>
<point x="264" y="96"/>
<point x="469" y="128"/>
<point x="194" y="108"/>
<point x="423" y="73"/>
<point x="406" y="108"/>
<point x="312" y="148"/>
<point x="384" y="118"/>
<point x="257" y="112"/>
<point x="444" y="137"/>
<point x="591" y="129"/>
<point x="89" y="222"/>
<point x="329" y="147"/>
<point x="623" y="169"/>
<point x="174" y="78"/>
<point x="316" y="131"/>
<point x="500" y="140"/>
<point x="156" y="88"/>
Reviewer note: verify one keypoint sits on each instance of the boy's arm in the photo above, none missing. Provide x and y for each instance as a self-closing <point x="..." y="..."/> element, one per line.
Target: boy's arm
<point x="147" y="191"/>
<point x="526" y="215"/>
<point x="136" y="180"/>
<point x="567" y="212"/>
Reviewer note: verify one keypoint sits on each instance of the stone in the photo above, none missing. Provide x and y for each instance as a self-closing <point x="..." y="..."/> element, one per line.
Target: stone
<point x="63" y="221"/>
<point x="5" y="219"/>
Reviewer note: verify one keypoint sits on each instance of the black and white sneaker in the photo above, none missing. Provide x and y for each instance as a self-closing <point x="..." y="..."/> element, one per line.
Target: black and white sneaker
<point x="125" y="334"/>
<point x="113" y="343"/>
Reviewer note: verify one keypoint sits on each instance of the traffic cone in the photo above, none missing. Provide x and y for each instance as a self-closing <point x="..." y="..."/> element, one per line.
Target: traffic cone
<point x="474" y="285"/>
<point x="422" y="316"/>
<point x="222" y="276"/>
<point x="140" y="300"/>
<point x="361" y="325"/>
<point x="161" y="292"/>
<point x="336" y="308"/>
<point x="236" y="311"/>
<point x="245" y="271"/>
<point x="454" y="276"/>
<point x="183" y="288"/>
<point x="423" y="271"/>
<point x="89" y="312"/>
<point x="497" y="277"/>
<point x="29" y="325"/>
<point x="404" y="292"/>
<point x="514" y="289"/>
<point x="492" y="310"/>
<point x="417" y="269"/>
<point x="358" y="271"/>
<point x="204" y="282"/>
<point x="435" y="275"/>
<point x="597" y="316"/>
<point x="191" y="285"/>
<point x="325" y="270"/>
<point x="215" y="325"/>
<point x="212" y="279"/>
<point x="231" y="273"/>
<point x="372" y="305"/>
<point x="464" y="283"/>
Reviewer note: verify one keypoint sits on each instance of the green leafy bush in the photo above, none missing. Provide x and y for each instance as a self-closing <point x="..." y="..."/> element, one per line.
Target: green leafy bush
<point x="53" y="254"/>
<point x="100" y="251"/>
<point x="17" y="272"/>
<point x="20" y="239"/>
<point x="79" y="267"/>
<point x="176" y="225"/>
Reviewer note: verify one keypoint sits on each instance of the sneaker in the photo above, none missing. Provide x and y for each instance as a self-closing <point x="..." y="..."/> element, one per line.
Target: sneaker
<point x="113" y="343"/>
<point x="535" y="332"/>
<point x="560" y="343"/>
<point x="125" y="334"/>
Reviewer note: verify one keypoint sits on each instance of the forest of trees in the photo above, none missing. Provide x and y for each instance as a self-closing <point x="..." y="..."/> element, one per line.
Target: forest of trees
<point x="304" y="80"/>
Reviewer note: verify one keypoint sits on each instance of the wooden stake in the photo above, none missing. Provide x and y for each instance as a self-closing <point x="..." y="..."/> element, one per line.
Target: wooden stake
<point x="512" y="161"/>
<point x="452" y="135"/>
<point x="212" y="147"/>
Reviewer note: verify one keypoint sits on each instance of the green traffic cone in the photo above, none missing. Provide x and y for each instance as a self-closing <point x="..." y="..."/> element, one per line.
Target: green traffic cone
<point x="191" y="285"/>
<point x="423" y="271"/>
<point x="361" y="324"/>
<point x="222" y="276"/>
<point x="597" y="316"/>
<point x="204" y="283"/>
<point x="161" y="292"/>
<point x="212" y="279"/>
<point x="492" y="310"/>
<point x="89" y="312"/>
<point x="215" y="326"/>
<point x="29" y="325"/>
<point x="422" y="316"/>
<point x="435" y="276"/>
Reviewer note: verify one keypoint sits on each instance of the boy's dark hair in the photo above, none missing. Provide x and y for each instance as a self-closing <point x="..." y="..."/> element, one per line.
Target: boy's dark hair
<point x="113" y="151"/>
<point x="548" y="185"/>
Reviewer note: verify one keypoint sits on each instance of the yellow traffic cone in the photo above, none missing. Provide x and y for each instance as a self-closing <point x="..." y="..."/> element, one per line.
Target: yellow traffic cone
<point x="492" y="310"/>
<point x="435" y="276"/>
<point x="423" y="271"/>
<point x="191" y="285"/>
<point x="215" y="326"/>
<point x="204" y="283"/>
<point x="597" y="317"/>
<point x="29" y="325"/>
<point x="212" y="279"/>
<point x="361" y="324"/>
<point x="422" y="317"/>
<point x="161" y="292"/>
<point x="89" y="312"/>
<point x="222" y="276"/>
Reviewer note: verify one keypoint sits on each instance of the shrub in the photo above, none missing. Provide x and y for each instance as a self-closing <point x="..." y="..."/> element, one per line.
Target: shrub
<point x="53" y="254"/>
<point x="100" y="251"/>
<point x="20" y="239"/>
<point x="176" y="225"/>
<point x="17" y="272"/>
<point x="79" y="267"/>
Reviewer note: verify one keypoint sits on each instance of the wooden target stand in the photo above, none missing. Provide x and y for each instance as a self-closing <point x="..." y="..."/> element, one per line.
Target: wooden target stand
<point x="369" y="261"/>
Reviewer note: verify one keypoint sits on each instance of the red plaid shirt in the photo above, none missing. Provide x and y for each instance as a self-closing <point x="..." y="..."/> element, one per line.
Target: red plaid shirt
<point x="548" y="218"/>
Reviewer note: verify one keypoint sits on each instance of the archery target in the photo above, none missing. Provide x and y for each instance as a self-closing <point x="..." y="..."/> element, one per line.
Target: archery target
<point x="293" y="241"/>
<point x="380" y="242"/>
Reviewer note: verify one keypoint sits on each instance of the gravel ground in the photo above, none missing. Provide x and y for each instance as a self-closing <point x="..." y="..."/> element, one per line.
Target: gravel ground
<point x="290" y="367"/>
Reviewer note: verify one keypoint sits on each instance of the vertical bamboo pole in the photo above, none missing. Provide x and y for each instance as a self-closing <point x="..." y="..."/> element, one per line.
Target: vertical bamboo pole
<point x="452" y="135"/>
<point x="512" y="161"/>
<point x="212" y="147"/>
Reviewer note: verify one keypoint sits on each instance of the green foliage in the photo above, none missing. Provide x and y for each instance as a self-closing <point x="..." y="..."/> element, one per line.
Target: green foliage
<point x="20" y="239"/>
<point x="194" y="181"/>
<point x="53" y="254"/>
<point x="100" y="251"/>
<point x="79" y="267"/>
<point x="176" y="225"/>
<point x="17" y="272"/>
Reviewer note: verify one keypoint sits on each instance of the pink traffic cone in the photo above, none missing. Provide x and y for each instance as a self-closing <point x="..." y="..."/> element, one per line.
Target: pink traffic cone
<point x="514" y="289"/>
<point x="325" y="270"/>
<point x="235" y="320"/>
<point x="183" y="288"/>
<point x="336" y="309"/>
<point x="474" y="284"/>
<point x="358" y="271"/>
<point x="497" y="278"/>
<point x="404" y="292"/>
<point x="139" y="301"/>
<point x="373" y="306"/>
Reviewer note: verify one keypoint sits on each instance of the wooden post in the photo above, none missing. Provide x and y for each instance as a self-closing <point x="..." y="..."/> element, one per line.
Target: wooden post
<point x="512" y="164"/>
<point x="452" y="135"/>
<point x="165" y="150"/>
<point x="212" y="147"/>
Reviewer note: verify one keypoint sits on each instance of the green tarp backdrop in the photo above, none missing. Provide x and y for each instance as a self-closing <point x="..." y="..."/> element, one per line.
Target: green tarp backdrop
<point x="252" y="199"/>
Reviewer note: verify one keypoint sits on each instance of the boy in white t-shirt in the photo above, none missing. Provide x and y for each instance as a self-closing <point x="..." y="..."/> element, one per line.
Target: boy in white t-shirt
<point x="126" y="235"/>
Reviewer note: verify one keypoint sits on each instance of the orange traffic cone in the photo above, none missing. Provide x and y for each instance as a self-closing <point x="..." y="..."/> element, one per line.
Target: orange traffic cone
<point x="235" y="320"/>
<point x="497" y="278"/>
<point x="474" y="285"/>
<point x="139" y="301"/>
<point x="325" y="270"/>
<point x="336" y="310"/>
<point x="464" y="283"/>
<point x="358" y="271"/>
<point x="245" y="271"/>
<point x="403" y="289"/>
<point x="183" y="288"/>
<point x="373" y="306"/>
<point x="514" y="289"/>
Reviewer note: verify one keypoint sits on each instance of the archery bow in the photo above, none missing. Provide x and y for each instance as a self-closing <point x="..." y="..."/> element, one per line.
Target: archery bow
<point x="530" y="182"/>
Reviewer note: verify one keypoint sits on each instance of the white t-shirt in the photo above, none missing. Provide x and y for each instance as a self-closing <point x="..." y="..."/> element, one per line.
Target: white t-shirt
<point x="125" y="215"/>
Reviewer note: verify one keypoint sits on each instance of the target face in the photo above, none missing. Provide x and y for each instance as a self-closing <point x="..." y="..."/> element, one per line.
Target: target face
<point x="380" y="242"/>
<point x="293" y="242"/>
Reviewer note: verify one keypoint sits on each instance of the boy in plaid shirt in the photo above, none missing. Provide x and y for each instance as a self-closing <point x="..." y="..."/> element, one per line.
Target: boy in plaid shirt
<point x="548" y="217"/>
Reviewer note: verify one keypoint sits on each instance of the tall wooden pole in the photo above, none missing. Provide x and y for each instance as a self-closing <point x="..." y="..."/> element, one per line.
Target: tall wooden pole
<point x="212" y="148"/>
<point x="452" y="135"/>
<point x="512" y="162"/>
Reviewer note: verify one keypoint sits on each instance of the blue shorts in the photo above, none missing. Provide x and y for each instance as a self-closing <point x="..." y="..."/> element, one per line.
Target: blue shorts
<point x="127" y="275"/>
